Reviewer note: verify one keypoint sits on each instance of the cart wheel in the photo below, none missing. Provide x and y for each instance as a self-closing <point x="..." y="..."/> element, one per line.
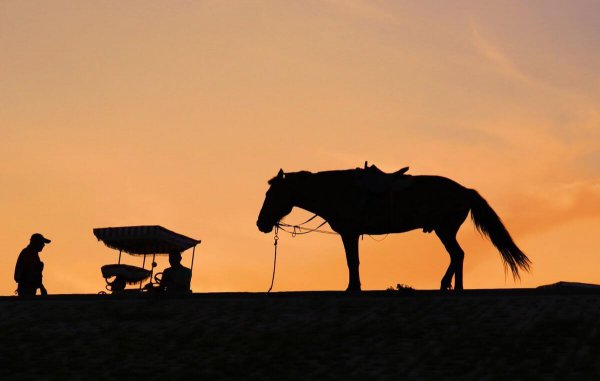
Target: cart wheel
<point x="108" y="285"/>
<point x="158" y="277"/>
<point x="116" y="285"/>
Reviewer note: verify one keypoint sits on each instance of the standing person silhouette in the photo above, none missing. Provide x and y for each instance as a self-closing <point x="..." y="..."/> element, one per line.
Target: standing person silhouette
<point x="29" y="267"/>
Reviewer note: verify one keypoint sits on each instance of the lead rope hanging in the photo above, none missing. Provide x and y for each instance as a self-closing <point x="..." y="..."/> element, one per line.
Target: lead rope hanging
<point x="275" y="239"/>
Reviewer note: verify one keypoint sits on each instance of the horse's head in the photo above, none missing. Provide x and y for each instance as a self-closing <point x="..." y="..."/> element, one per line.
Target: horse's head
<point x="278" y="203"/>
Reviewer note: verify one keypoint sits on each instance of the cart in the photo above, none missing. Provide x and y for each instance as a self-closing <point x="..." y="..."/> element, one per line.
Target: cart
<point x="144" y="241"/>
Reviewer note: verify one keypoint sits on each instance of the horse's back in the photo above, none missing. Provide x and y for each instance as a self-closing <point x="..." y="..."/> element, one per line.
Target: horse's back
<point x="440" y="182"/>
<point x="436" y="189"/>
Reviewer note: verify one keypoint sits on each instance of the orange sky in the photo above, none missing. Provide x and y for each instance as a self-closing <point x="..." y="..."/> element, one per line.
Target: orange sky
<point x="177" y="113"/>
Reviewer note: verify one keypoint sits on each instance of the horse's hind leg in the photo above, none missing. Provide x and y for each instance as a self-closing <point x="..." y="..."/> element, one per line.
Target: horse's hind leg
<point x="448" y="238"/>
<point x="446" y="283"/>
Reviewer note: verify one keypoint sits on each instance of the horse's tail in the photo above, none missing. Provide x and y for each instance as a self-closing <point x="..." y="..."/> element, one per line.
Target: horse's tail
<point x="489" y="224"/>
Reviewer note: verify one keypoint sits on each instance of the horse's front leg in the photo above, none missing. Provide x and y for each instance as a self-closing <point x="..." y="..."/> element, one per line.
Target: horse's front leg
<point x="351" y="246"/>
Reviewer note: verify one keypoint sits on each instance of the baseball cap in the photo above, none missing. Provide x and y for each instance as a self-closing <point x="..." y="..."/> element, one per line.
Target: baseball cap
<point x="37" y="237"/>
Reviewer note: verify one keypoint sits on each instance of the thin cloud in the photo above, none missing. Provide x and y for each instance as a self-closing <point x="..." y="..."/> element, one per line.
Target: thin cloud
<point x="496" y="56"/>
<point x="556" y="206"/>
<point x="363" y="9"/>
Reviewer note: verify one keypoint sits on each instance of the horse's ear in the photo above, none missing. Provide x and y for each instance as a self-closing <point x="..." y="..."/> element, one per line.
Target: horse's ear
<point x="280" y="176"/>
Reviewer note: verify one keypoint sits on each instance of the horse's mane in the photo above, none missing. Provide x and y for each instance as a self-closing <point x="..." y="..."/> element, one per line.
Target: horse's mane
<point x="288" y="175"/>
<point x="324" y="175"/>
<point x="304" y="174"/>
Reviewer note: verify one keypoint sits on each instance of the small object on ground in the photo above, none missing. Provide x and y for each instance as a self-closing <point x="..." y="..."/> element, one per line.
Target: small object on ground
<point x="569" y="285"/>
<point x="400" y="287"/>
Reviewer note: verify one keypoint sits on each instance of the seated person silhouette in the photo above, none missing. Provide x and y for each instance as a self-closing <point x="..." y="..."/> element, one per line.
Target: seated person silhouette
<point x="177" y="278"/>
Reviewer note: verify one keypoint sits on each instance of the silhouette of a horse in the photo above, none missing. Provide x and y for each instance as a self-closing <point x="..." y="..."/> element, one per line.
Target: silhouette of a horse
<point x="369" y="201"/>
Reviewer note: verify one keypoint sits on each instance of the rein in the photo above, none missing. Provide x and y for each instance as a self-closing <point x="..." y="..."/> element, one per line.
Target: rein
<point x="275" y="239"/>
<point x="296" y="230"/>
<point x="299" y="230"/>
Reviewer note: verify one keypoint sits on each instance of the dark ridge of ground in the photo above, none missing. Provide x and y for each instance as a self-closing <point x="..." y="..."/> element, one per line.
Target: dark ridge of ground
<point x="526" y="334"/>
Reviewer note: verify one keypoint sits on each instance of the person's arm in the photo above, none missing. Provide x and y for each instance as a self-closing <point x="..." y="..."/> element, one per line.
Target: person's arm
<point x="42" y="288"/>
<point x="164" y="281"/>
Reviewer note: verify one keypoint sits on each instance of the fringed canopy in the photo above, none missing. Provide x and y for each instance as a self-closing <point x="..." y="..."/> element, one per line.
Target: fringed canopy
<point x="143" y="240"/>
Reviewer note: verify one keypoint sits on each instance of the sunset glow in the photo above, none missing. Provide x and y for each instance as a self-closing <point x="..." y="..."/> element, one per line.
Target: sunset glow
<point x="178" y="113"/>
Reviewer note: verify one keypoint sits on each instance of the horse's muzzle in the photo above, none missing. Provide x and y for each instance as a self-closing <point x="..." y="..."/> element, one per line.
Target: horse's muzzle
<point x="264" y="228"/>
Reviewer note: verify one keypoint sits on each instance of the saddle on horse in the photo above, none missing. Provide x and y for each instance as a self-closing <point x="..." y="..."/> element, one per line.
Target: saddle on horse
<point x="374" y="180"/>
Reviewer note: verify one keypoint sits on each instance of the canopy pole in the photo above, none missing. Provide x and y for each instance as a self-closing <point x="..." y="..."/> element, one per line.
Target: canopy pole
<point x="119" y="256"/>
<point x="152" y="267"/>
<point x="144" y="267"/>
<point x="193" y="254"/>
